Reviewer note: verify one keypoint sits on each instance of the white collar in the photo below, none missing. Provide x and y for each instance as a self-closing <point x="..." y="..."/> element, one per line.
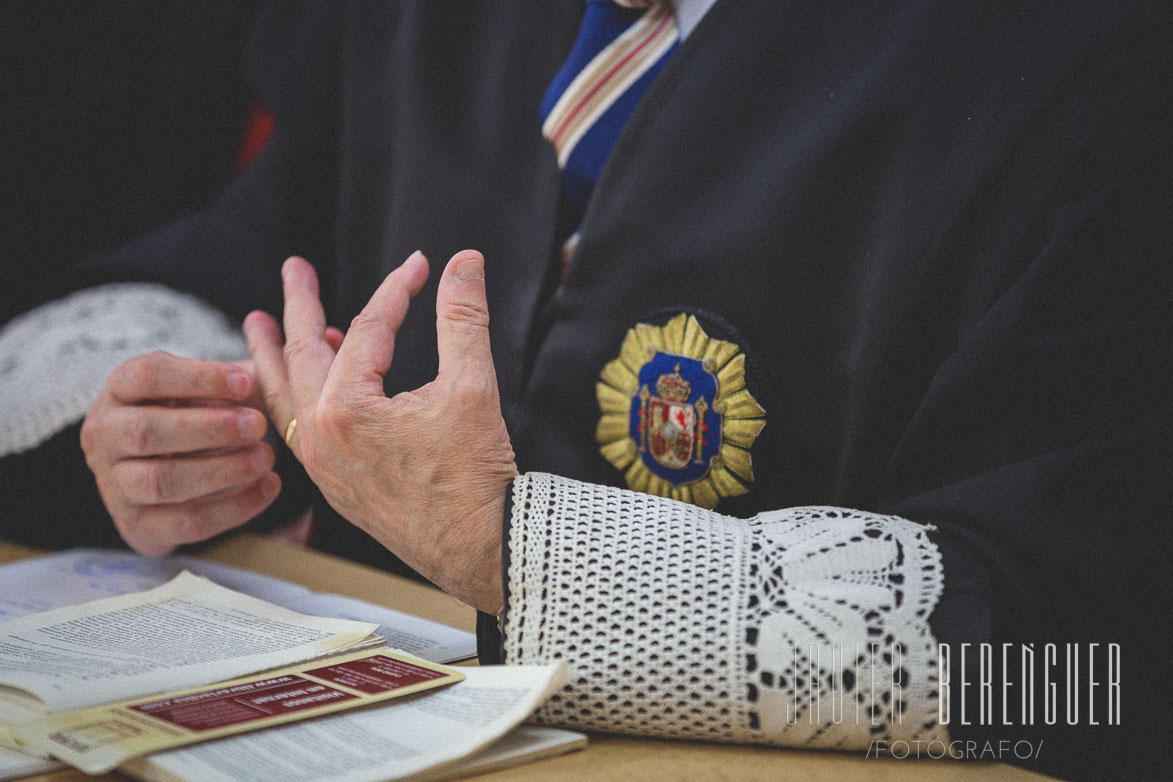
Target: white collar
<point x="688" y="13"/>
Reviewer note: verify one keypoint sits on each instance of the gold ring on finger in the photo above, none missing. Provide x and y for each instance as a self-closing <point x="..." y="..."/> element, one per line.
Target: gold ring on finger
<point x="290" y="430"/>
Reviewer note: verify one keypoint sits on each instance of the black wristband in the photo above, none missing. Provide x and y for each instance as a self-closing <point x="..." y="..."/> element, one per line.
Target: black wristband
<point x="490" y="638"/>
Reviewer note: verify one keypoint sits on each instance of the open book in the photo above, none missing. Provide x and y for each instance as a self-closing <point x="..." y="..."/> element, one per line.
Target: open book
<point x="192" y="632"/>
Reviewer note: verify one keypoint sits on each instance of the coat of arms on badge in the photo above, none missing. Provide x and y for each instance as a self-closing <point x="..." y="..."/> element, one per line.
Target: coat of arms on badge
<point x="677" y="417"/>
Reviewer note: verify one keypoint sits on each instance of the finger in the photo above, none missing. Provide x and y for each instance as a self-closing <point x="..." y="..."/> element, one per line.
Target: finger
<point x="161" y="375"/>
<point x="160" y="528"/>
<point x="462" y="318"/>
<point x="148" y="430"/>
<point x="365" y="354"/>
<point x="308" y="355"/>
<point x="265" y="345"/>
<point x="168" y="480"/>
<point x="334" y="337"/>
<point x="255" y="399"/>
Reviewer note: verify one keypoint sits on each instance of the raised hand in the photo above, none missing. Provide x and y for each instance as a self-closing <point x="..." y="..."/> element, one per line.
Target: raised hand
<point x="424" y="472"/>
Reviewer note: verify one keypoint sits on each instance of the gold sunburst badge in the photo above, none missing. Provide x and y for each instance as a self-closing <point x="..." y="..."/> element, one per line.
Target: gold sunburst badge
<point x="677" y="419"/>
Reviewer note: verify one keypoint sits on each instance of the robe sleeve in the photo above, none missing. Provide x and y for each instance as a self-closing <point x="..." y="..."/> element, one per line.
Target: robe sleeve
<point x="805" y="627"/>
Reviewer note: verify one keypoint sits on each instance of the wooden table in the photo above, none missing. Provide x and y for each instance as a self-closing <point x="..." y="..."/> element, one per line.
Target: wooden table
<point x="606" y="757"/>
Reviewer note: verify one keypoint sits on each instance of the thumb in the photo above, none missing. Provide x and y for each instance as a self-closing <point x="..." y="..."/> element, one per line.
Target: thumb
<point x="462" y="317"/>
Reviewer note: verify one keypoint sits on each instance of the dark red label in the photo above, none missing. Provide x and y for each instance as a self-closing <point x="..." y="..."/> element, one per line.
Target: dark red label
<point x="217" y="708"/>
<point x="376" y="674"/>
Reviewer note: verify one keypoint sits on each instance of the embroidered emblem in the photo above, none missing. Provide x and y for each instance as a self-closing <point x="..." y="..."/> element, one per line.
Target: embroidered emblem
<point x="677" y="418"/>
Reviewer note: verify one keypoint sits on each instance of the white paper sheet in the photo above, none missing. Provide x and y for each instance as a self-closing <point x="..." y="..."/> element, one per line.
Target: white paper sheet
<point x="14" y="765"/>
<point x="428" y="736"/>
<point x="526" y="743"/>
<point x="188" y="632"/>
<point x="81" y="575"/>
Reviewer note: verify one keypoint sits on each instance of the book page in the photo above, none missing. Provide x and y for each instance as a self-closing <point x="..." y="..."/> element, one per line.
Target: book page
<point x="99" y="738"/>
<point x="80" y="575"/>
<point x="523" y="744"/>
<point x="421" y="737"/>
<point x="66" y="578"/>
<point x="15" y="764"/>
<point x="187" y="632"/>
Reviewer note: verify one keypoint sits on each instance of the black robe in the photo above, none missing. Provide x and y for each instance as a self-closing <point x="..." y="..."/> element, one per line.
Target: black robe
<point x="940" y="233"/>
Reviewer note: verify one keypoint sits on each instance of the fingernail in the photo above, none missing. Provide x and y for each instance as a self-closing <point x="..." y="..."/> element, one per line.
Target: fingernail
<point x="262" y="460"/>
<point x="238" y="383"/>
<point x="287" y="266"/>
<point x="469" y="269"/>
<point x="250" y="321"/>
<point x="270" y="486"/>
<point x="251" y="425"/>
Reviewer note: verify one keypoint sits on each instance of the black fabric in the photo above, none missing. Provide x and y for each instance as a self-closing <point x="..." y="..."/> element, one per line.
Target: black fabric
<point x="490" y="638"/>
<point x="52" y="502"/>
<point x="118" y="115"/>
<point x="490" y="643"/>
<point x="50" y="498"/>
<point x="940" y="230"/>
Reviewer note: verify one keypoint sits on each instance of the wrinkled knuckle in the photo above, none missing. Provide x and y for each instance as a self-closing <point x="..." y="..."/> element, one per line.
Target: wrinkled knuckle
<point x="160" y="483"/>
<point x="362" y="321"/>
<point x="473" y="389"/>
<point x="463" y="312"/>
<point x="465" y="395"/>
<point x="140" y="435"/>
<point x="332" y="417"/>
<point x="296" y="345"/>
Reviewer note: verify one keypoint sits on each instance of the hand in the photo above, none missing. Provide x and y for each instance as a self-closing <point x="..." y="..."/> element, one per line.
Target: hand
<point x="175" y="446"/>
<point x="424" y="472"/>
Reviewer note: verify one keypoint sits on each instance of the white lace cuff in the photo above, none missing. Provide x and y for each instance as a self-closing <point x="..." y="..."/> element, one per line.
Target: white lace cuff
<point x="54" y="359"/>
<point x="804" y="627"/>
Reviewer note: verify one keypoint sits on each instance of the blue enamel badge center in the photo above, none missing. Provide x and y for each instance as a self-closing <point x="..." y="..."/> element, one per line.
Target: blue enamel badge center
<point x="677" y="418"/>
<point x="672" y="418"/>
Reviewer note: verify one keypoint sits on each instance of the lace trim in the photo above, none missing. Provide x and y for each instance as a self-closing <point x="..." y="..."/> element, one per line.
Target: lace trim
<point x="681" y="622"/>
<point x="54" y="359"/>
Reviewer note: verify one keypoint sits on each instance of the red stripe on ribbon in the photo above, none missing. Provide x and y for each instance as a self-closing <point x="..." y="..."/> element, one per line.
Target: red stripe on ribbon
<point x="557" y="136"/>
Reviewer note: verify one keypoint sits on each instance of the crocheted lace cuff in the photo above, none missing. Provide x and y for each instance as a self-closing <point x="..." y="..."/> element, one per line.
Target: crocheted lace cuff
<point x="804" y="627"/>
<point x="54" y="359"/>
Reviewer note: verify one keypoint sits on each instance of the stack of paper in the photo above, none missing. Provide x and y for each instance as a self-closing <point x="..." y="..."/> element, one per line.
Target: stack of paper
<point x="192" y="633"/>
<point x="82" y="575"/>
